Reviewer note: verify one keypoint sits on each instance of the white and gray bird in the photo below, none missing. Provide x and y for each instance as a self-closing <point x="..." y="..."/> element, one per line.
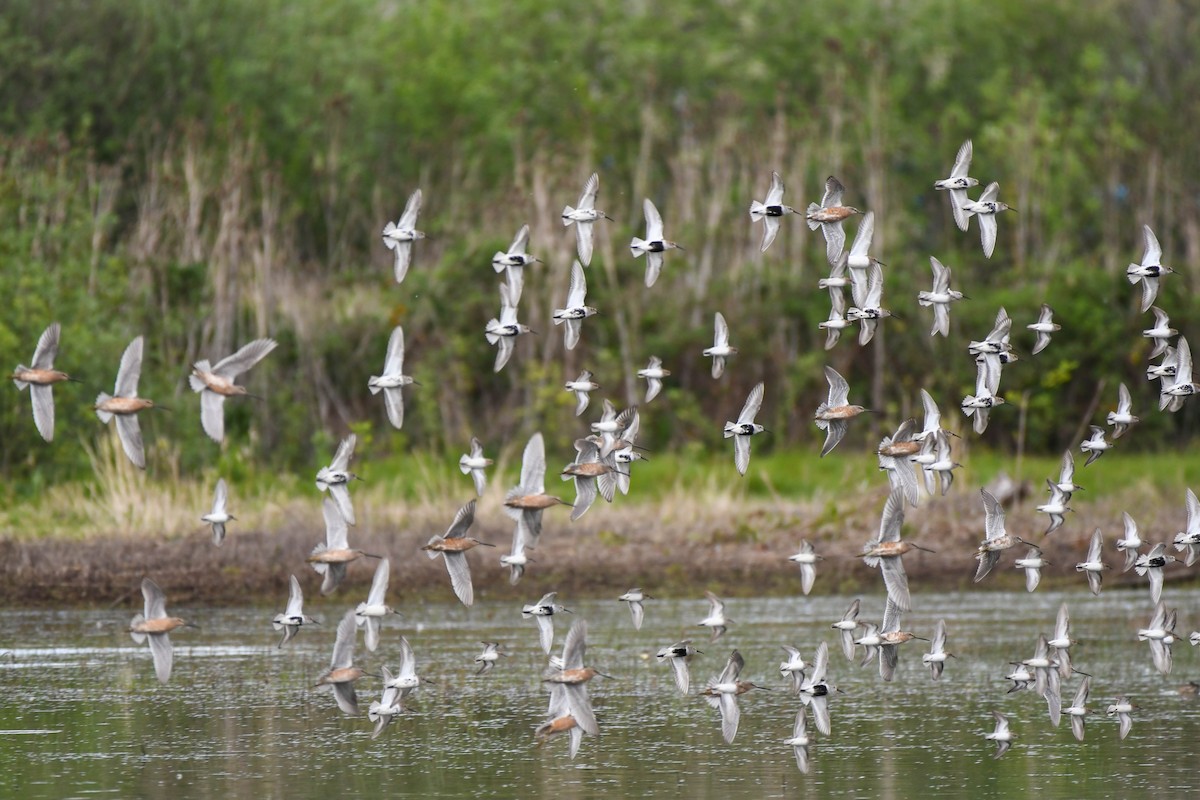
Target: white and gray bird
<point x="1160" y="333"/>
<point x="679" y="655"/>
<point x="513" y="262"/>
<point x="935" y="659"/>
<point x="1122" y="709"/>
<point x="1130" y="544"/>
<point x="1092" y="564"/>
<point x="800" y="740"/>
<point x="399" y="236"/>
<point x="744" y="428"/>
<point x="1182" y="384"/>
<point x="770" y="211"/>
<point x="583" y="217"/>
<point x="582" y="386"/>
<point x="1055" y="507"/>
<point x="1123" y="417"/>
<point x="654" y="245"/>
<point x="1032" y="563"/>
<point x="1002" y="736"/>
<point x="543" y="611"/>
<point x="1066" y="475"/>
<point x="716" y="621"/>
<point x="807" y="558"/>
<point x="1188" y="540"/>
<point x="1095" y="445"/>
<point x="721" y="348"/>
<point x="837" y="321"/>
<point x="387" y="707"/>
<point x="215" y="383"/>
<point x="958" y="183"/>
<point x="1160" y="634"/>
<point x="846" y="627"/>
<point x="1150" y="566"/>
<point x="577" y="309"/>
<point x="293" y="616"/>
<point x="868" y="307"/>
<point x="1044" y="326"/>
<point x="635" y="598"/>
<point x="370" y="614"/>
<point x="392" y="379"/>
<point x="986" y="208"/>
<point x="487" y="658"/>
<point x="654" y="374"/>
<point x="219" y="515"/>
<point x="336" y="478"/>
<point x="502" y="332"/>
<point x="474" y="464"/>
<point x="1150" y="270"/>
<point x="940" y="297"/>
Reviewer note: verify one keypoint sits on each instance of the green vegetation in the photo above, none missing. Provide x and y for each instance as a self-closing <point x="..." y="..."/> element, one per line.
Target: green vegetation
<point x="206" y="173"/>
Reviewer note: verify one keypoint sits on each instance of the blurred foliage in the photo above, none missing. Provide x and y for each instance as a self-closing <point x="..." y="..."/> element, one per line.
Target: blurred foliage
<point x="208" y="172"/>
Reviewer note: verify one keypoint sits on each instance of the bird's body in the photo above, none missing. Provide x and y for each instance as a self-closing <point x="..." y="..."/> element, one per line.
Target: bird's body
<point x="583" y="217"/>
<point x="940" y="297"/>
<point x="342" y="673"/>
<point x="716" y="621"/>
<point x="807" y="558"/>
<point x="335" y="478"/>
<point x="1092" y="565"/>
<point x="330" y="558"/>
<point x="635" y="598"/>
<point x="371" y="613"/>
<point x="452" y="546"/>
<point x="745" y="428"/>
<point x="399" y="236"/>
<point x="154" y="625"/>
<point x="293" y="616"/>
<point x="1150" y="270"/>
<point x="392" y="379"/>
<point x="1123" y="417"/>
<point x="474" y="464"/>
<point x="526" y="501"/>
<point x="215" y="383"/>
<point x="721" y="348"/>
<point x="219" y="516"/>
<point x="832" y="415"/>
<point x="40" y="380"/>
<point x="828" y="216"/>
<point x="543" y="611"/>
<point x="1043" y="328"/>
<point x="997" y="539"/>
<point x="124" y="404"/>
<point x="958" y="183"/>
<point x="770" y="210"/>
<point x="577" y="309"/>
<point x="654" y="374"/>
<point x="654" y="245"/>
<point x="985" y="209"/>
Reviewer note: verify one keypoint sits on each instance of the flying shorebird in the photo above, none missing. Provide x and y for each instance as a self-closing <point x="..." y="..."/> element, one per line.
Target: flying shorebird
<point x="940" y="297"/>
<point x="635" y="598"/>
<point x="1122" y="709"/>
<point x="219" y="515"/>
<point x="513" y="262"/>
<point x="1182" y="386"/>
<point x="1160" y="634"/>
<point x="716" y="621"/>
<point x="1188" y="540"/>
<point x="807" y="558"/>
<point x="215" y="383"/>
<point x="125" y="404"/>
<point x="979" y="405"/>
<point x="371" y="613"/>
<point x="40" y="378"/>
<point x="828" y="216"/>
<point x="986" y="208"/>
<point x="679" y="655"/>
<point x="793" y="667"/>
<point x="293" y="616"/>
<point x="846" y="627"/>
<point x="591" y="473"/>
<point x="1092" y="565"/>
<point x="815" y="691"/>
<point x="1043" y="328"/>
<point x="406" y="680"/>
<point x="997" y="539"/>
<point x="1056" y="506"/>
<point x="653" y="373"/>
<point x="474" y="463"/>
<point x="654" y="245"/>
<point x="958" y="183"/>
<point x="453" y="546"/>
<point x="330" y="558"/>
<point x="1123" y="417"/>
<point x="492" y="652"/>
<point x="722" y="693"/>
<point x="342" y="673"/>
<point x="858" y="258"/>
<point x="543" y="611"/>
<point x="1095" y="446"/>
<point x="744" y="428"/>
<point x="1151" y="566"/>
<point x="800" y="740"/>
<point x="937" y="655"/>
<point x="392" y="379"/>
<point x="895" y="452"/>
<point x="1160" y="333"/>
<point x="581" y="386"/>
<point x="837" y="321"/>
<point x="868" y="299"/>
<point x="833" y="414"/>
<point x="932" y="422"/>
<point x="891" y="637"/>
<point x="1150" y="270"/>
<point x="1060" y="641"/>
<point x="886" y="549"/>
<point x="399" y="236"/>
<point x="1032" y="563"/>
<point x="583" y="217"/>
<point x="942" y="465"/>
<point x="154" y="624"/>
<point x="721" y="348"/>
<point x="387" y="707"/>
<point x="577" y="309"/>
<point x="1066" y="475"/>
<point x="573" y="676"/>
<point x="1002" y="736"/>
<point x="770" y="211"/>
<point x="1130" y="544"/>
<point x="502" y="333"/>
<point x="516" y="559"/>
<point x="336" y="478"/>
<point x="526" y="501"/>
<point x="1046" y="674"/>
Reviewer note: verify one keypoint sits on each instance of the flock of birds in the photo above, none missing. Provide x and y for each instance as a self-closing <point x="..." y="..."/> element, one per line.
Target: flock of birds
<point x="604" y="459"/>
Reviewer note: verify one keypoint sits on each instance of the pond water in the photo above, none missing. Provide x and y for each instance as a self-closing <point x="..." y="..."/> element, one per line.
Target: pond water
<point x="81" y="714"/>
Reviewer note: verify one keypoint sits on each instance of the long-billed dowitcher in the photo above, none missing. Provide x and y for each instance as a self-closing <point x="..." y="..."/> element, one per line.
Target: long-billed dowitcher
<point x="635" y="598"/>
<point x="329" y="559"/>
<point x="1150" y="270"/>
<point x="716" y="621"/>
<point x="986" y="208"/>
<point x="654" y="245"/>
<point x="154" y="624"/>
<point x="654" y="374"/>
<point x="1002" y="736"/>
<point x="574" y="676"/>
<point x="40" y="378"/>
<point x="1092" y="565"/>
<point x="807" y="558"/>
<point x="527" y="500"/>
<point x="582" y="387"/>
<point x="721" y="348"/>
<point x="502" y="333"/>
<point x="543" y="611"/>
<point x="836" y="411"/>
<point x="219" y="516"/>
<point x="1187" y="541"/>
<point x="474" y="464"/>
<point x="891" y="637"/>
<point x="487" y="658"/>
<point x="935" y="659"/>
<point x="336" y="478"/>
<point x="679" y="655"/>
<point x="895" y="452"/>
<point x="453" y="546"/>
<point x="958" y="183"/>
<point x="215" y="383"/>
<point x="591" y="473"/>
<point x="125" y="404"/>
<point x="559" y="720"/>
<point x="369" y="614"/>
<point x="745" y="427"/>
<point x="940" y="297"/>
<point x="1123" y="417"/>
<point x="722" y="693"/>
<point x="392" y="379"/>
<point x="342" y="673"/>
<point x="399" y="236"/>
<point x="577" y="309"/>
<point x="770" y="211"/>
<point x="293" y="616"/>
<point x="886" y="549"/>
<point x="828" y="216"/>
<point x="996" y="538"/>
<point x="583" y="217"/>
<point x="1044" y="326"/>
